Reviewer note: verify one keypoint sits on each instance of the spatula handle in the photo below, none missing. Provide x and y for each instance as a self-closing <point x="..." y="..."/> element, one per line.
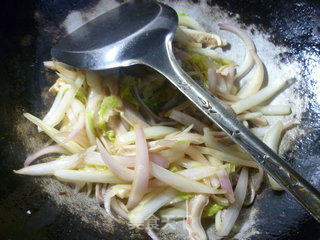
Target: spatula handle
<point x="282" y="173"/>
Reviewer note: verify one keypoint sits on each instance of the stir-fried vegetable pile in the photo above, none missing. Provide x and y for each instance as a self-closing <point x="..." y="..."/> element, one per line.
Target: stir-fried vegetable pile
<point x="146" y="150"/>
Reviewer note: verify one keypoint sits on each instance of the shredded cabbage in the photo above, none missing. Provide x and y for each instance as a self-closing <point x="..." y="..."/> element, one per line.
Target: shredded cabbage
<point x="81" y="96"/>
<point x="185" y="195"/>
<point x="107" y="109"/>
<point x="211" y="209"/>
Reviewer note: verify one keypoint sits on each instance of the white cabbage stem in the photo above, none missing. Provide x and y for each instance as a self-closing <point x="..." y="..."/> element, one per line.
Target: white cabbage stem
<point x="272" y="139"/>
<point x="257" y="98"/>
<point x="272" y="110"/>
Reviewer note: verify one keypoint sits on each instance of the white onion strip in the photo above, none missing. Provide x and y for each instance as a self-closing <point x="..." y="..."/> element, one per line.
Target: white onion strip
<point x="44" y="151"/>
<point x="53" y="134"/>
<point x="226" y="218"/>
<point x="49" y="168"/>
<point x="227" y="157"/>
<point x="65" y="103"/>
<point x="226" y="184"/>
<point x="196" y="155"/>
<point x="77" y="129"/>
<point x="154" y="132"/>
<point x="253" y="85"/>
<point x="118" y="169"/>
<point x="110" y="193"/>
<point x="273" y="109"/>
<point x="150" y="204"/>
<point x="92" y="176"/>
<point x="178" y="181"/>
<point x="141" y="173"/>
<point x="186" y="119"/>
<point x="257" y="98"/>
<point x="248" y="61"/>
<point x="94" y="158"/>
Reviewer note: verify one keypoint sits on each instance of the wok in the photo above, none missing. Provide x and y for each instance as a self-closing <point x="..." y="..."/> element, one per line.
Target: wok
<point x="43" y="208"/>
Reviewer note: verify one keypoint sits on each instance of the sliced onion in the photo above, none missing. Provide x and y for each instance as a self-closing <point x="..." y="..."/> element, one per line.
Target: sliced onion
<point x="195" y="207"/>
<point x="119" y="208"/>
<point x="77" y="129"/>
<point x="192" y="138"/>
<point x="157" y="159"/>
<point x="118" y="169"/>
<point x="253" y="85"/>
<point x="230" y="77"/>
<point x="214" y="181"/>
<point x="49" y="168"/>
<point x="141" y="173"/>
<point x="57" y="101"/>
<point x="151" y="203"/>
<point x="172" y="213"/>
<point x="44" y="151"/>
<point x="62" y="68"/>
<point x="52" y="133"/>
<point x="187" y="163"/>
<point x="248" y="61"/>
<point x="154" y="132"/>
<point x="257" y="98"/>
<point x="95" y="158"/>
<point x="110" y="193"/>
<point x="256" y="118"/>
<point x="220" y="200"/>
<point x="226" y="218"/>
<point x="178" y="181"/>
<point x="89" y="189"/>
<point x="226" y="184"/>
<point x="257" y="179"/>
<point x="132" y="117"/>
<point x="196" y="173"/>
<point x="154" y="146"/>
<point x="78" y="186"/>
<point x="92" y="176"/>
<point x="250" y="196"/>
<point x="196" y="155"/>
<point x="227" y="157"/>
<point x="185" y="119"/>
<point x="273" y="110"/>
<point x="98" y="194"/>
<point x="65" y="103"/>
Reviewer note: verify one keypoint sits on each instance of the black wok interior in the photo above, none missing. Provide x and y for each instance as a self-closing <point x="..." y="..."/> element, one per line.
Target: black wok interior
<point x="25" y="44"/>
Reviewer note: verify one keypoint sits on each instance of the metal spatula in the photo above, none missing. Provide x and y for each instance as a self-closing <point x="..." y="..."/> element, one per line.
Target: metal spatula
<point x="141" y="32"/>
